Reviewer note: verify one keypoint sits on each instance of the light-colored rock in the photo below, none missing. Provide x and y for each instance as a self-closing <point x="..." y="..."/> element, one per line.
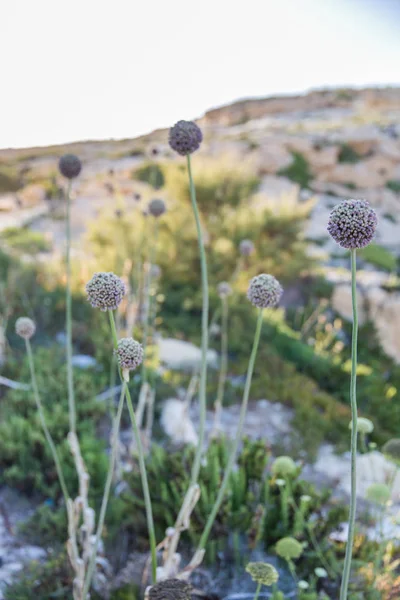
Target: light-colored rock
<point x="7" y="202"/>
<point x="176" y="422"/>
<point x="385" y="310"/>
<point x="321" y="159"/>
<point x="389" y="148"/>
<point x="32" y="195"/>
<point x="369" y="173"/>
<point x="272" y="157"/>
<point x="342" y="303"/>
<point x="177" y="354"/>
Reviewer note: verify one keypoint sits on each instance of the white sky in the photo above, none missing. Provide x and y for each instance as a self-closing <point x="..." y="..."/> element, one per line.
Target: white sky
<point x="93" y="69"/>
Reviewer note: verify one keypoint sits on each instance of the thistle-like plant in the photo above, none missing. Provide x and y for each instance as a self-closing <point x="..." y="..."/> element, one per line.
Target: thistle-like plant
<point x="352" y="224"/>
<point x="262" y="574"/>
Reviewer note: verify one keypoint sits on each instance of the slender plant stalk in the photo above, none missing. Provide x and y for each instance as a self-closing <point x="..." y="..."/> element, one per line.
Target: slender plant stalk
<point x="204" y="329"/>
<point x="353" y="401"/>
<point x="257" y="591"/>
<point x="70" y="375"/>
<point x="43" y="422"/>
<point x="235" y="446"/>
<point x="142" y="464"/>
<point x="224" y="363"/>
<point x="148" y="298"/>
<point x="106" y="494"/>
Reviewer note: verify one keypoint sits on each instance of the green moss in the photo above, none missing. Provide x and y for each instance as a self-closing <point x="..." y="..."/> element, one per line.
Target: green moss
<point x="298" y="171"/>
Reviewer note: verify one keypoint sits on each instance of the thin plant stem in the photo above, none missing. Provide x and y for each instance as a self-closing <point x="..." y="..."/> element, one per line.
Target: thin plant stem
<point x="257" y="591"/>
<point x="235" y="446"/>
<point x="204" y="330"/>
<point x="224" y="363"/>
<point x="353" y="401"/>
<point x="70" y="374"/>
<point x="106" y="494"/>
<point x="148" y="298"/>
<point x="43" y="422"/>
<point x="142" y="463"/>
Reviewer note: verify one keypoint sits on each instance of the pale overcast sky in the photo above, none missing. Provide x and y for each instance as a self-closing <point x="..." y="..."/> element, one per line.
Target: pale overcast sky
<point x="93" y="69"/>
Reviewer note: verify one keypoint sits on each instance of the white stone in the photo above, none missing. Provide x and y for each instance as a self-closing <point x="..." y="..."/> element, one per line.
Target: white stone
<point x="180" y="355"/>
<point x="176" y="422"/>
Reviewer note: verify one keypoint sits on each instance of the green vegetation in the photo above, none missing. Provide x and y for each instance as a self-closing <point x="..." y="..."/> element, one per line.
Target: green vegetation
<point x="348" y="155"/>
<point x="25" y="240"/>
<point x="150" y="173"/>
<point x="394" y="185"/>
<point x="298" y="171"/>
<point x="9" y="179"/>
<point x="379" y="256"/>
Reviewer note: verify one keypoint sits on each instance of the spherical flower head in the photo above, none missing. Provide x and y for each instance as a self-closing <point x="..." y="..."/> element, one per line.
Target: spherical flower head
<point x="70" y="166"/>
<point x="289" y="548"/>
<point x="352" y="224"/>
<point x="264" y="291"/>
<point x="224" y="289"/>
<point x="364" y="425"/>
<point x="170" y="589"/>
<point x="379" y="493"/>
<point x="392" y="449"/>
<point x="157" y="207"/>
<point x="246" y="247"/>
<point x="263" y="573"/>
<point x="185" y="137"/>
<point x="25" y="327"/>
<point x="320" y="572"/>
<point x="284" y="466"/>
<point x="105" y="291"/>
<point x="129" y="354"/>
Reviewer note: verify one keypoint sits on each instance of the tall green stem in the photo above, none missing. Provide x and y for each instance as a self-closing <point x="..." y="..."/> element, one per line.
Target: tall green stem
<point x="106" y="494"/>
<point x="257" y="591"/>
<point x="70" y="375"/>
<point x="148" y="297"/>
<point x="353" y="401"/>
<point x="204" y="329"/>
<point x="43" y="422"/>
<point x="224" y="363"/>
<point x="142" y="464"/>
<point x="235" y="446"/>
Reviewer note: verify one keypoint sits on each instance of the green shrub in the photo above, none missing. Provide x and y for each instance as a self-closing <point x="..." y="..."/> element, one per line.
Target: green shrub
<point x="298" y="171"/>
<point x="9" y="180"/>
<point x="379" y="256"/>
<point x="25" y="240"/>
<point x="394" y="185"/>
<point x="150" y="173"/>
<point x="348" y="155"/>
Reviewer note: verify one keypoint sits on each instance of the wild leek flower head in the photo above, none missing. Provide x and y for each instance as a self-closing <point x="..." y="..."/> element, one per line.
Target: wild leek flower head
<point x="320" y="572"/>
<point x="105" y="291"/>
<point x="185" y="137"/>
<point x="70" y="166"/>
<point x="364" y="425"/>
<point x="246" y="247"/>
<point x="224" y="289"/>
<point x="263" y="573"/>
<point x="284" y="465"/>
<point x="352" y="224"/>
<point x="157" y="207"/>
<point x="289" y="548"/>
<point x="392" y="449"/>
<point x="264" y="291"/>
<point x="25" y="327"/>
<point x="129" y="353"/>
<point x="379" y="493"/>
<point x="170" y="589"/>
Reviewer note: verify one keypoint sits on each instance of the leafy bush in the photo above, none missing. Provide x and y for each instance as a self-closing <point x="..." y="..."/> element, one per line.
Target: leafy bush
<point x="348" y="155"/>
<point x="25" y="240"/>
<point x="379" y="256"/>
<point x="150" y="173"/>
<point x="393" y="185"/>
<point x="298" y="171"/>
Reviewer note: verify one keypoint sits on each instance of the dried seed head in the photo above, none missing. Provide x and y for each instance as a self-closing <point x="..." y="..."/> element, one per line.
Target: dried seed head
<point x="157" y="207"/>
<point x="264" y="291"/>
<point x="185" y="137"/>
<point x="105" y="291"/>
<point x="363" y="425"/>
<point x="70" y="166"/>
<point x="283" y="466"/>
<point x="352" y="224"/>
<point x="224" y="289"/>
<point x="129" y="354"/>
<point x="25" y="327"/>
<point x="170" y="589"/>
<point x="263" y="573"/>
<point x="289" y="548"/>
<point x="246" y="247"/>
<point x="379" y="493"/>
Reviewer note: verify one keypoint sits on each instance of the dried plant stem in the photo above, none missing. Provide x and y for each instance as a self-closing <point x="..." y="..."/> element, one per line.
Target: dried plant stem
<point x="43" y="422"/>
<point x="353" y="401"/>
<point x="142" y="464"/>
<point x="235" y="446"/>
<point x="70" y="375"/>
<point x="204" y="329"/>
<point x="147" y="301"/>
<point x="224" y="365"/>
<point x="106" y="494"/>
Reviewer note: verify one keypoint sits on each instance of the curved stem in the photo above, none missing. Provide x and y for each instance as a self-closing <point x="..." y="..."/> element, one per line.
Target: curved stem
<point x="43" y="422"/>
<point x="353" y="401"/>
<point x="204" y="330"/>
<point x="106" y="494"/>
<point x="235" y="446"/>
<point x="70" y="375"/>
<point x="257" y="591"/>
<point x="142" y="464"/>
<point x="224" y="364"/>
